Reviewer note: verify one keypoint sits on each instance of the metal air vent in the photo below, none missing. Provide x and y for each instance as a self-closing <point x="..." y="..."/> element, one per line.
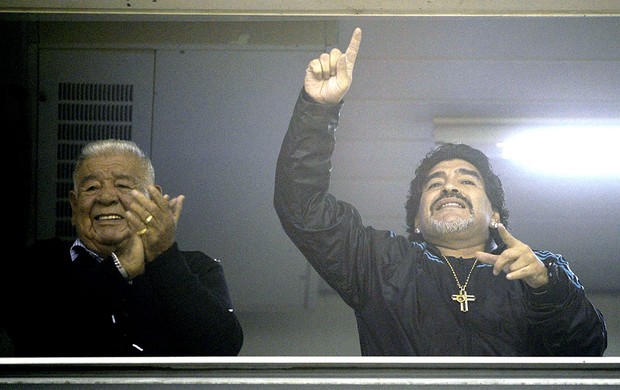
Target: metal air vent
<point x="86" y="112"/>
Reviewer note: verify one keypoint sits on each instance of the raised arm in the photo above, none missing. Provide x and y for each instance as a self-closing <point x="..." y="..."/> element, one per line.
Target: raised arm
<point x="327" y="231"/>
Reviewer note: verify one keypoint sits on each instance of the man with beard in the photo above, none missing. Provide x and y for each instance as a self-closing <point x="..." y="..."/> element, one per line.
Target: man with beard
<point x="438" y="291"/>
<point x="122" y="287"/>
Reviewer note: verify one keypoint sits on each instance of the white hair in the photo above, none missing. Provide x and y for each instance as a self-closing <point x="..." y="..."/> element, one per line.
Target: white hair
<point x="114" y="147"/>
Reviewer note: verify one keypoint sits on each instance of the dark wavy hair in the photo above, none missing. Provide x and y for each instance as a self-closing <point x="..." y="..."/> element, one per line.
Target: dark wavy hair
<point x="448" y="151"/>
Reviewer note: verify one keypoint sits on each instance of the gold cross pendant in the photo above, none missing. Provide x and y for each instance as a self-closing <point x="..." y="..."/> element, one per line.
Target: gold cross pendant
<point x="463" y="299"/>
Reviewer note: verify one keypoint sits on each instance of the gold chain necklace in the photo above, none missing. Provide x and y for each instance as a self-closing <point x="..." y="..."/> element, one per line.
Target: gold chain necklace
<point x="462" y="297"/>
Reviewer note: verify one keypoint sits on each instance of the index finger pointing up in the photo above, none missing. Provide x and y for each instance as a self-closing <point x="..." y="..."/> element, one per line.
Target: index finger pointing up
<point x="508" y="238"/>
<point x="354" y="45"/>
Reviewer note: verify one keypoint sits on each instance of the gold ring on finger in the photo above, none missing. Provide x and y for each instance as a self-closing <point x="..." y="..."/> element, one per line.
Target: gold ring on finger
<point x="143" y="231"/>
<point x="148" y="219"/>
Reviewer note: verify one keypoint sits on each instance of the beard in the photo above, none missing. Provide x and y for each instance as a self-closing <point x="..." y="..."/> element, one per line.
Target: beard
<point x="452" y="226"/>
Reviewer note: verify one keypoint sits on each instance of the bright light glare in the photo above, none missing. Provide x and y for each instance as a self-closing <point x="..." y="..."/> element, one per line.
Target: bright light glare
<point x="567" y="151"/>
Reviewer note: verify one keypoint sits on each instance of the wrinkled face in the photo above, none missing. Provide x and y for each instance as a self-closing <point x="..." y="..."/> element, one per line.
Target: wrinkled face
<point x="454" y="202"/>
<point x="98" y="214"/>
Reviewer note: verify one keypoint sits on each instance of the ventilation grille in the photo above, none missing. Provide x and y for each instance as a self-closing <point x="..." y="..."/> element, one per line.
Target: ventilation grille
<point x="86" y="112"/>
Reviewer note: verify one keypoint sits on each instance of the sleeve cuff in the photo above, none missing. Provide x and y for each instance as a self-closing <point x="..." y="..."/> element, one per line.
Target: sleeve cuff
<point x="553" y="293"/>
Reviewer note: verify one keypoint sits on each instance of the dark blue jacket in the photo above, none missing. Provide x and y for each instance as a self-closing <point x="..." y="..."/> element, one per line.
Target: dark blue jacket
<point x="401" y="291"/>
<point x="54" y="307"/>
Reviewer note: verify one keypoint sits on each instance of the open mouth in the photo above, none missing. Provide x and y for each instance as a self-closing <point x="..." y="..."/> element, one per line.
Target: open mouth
<point x="443" y="205"/>
<point x="108" y="217"/>
<point x="450" y="203"/>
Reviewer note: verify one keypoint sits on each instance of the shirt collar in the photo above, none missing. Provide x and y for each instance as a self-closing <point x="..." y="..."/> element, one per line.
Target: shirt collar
<point x="79" y="248"/>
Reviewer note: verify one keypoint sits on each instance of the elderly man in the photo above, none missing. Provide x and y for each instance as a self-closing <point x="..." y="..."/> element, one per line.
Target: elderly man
<point x="438" y="291"/>
<point x="123" y="287"/>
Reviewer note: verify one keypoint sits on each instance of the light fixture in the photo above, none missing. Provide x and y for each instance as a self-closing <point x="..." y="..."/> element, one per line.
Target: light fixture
<point x="577" y="147"/>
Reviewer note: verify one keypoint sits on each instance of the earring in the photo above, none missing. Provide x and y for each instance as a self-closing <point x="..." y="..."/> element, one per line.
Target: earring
<point x="494" y="224"/>
<point x="417" y="231"/>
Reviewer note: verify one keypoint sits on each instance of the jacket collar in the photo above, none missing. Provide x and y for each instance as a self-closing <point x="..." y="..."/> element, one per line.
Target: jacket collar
<point x="490" y="247"/>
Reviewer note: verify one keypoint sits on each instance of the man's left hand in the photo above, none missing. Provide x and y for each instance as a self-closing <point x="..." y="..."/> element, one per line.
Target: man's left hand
<point x="154" y="220"/>
<point x="518" y="261"/>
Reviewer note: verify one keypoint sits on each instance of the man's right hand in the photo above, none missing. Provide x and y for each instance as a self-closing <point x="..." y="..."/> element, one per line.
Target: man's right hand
<point x="329" y="77"/>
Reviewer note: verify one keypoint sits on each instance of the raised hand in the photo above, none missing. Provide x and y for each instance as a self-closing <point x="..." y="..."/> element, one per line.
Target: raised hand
<point x="176" y="206"/>
<point x="329" y="77"/>
<point x="154" y="220"/>
<point x="518" y="261"/>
